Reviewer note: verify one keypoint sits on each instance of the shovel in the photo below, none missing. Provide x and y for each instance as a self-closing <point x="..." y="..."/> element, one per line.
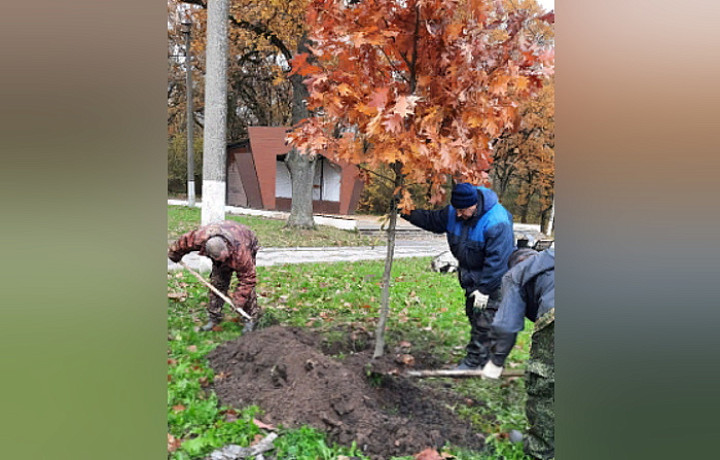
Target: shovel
<point x="460" y="374"/>
<point x="215" y="290"/>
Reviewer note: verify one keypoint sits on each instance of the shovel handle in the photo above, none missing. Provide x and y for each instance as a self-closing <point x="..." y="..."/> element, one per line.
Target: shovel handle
<point x="215" y="290"/>
<point x="460" y="374"/>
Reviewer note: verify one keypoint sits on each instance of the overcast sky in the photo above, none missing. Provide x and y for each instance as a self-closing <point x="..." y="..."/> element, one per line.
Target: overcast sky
<point x="547" y="4"/>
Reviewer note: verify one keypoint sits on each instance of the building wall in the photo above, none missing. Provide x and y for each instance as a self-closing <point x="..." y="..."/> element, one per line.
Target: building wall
<point x="283" y="184"/>
<point x="326" y="182"/>
<point x="331" y="177"/>
<point x="265" y="182"/>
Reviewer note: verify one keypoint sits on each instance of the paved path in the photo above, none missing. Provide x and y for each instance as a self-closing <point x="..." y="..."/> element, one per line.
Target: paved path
<point x="279" y="256"/>
<point x="411" y="242"/>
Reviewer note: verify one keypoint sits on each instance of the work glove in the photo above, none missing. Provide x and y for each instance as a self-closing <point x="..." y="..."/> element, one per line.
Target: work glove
<point x="480" y="300"/>
<point x="491" y="371"/>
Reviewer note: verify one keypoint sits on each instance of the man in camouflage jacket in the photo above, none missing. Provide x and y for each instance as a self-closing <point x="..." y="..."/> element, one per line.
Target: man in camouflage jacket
<point x="232" y="248"/>
<point x="528" y="291"/>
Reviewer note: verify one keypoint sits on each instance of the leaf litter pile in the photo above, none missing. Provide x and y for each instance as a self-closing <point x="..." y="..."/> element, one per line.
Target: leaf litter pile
<point x="290" y="374"/>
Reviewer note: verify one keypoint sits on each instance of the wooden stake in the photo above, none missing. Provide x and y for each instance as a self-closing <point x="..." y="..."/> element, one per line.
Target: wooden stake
<point x="215" y="290"/>
<point x="460" y="374"/>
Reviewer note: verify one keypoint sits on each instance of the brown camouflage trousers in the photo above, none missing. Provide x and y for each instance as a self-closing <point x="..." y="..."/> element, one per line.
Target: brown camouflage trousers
<point x="220" y="277"/>
<point x="540" y="386"/>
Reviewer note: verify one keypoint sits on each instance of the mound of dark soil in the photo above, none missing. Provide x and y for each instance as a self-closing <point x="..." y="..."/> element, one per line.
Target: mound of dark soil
<point x="285" y="372"/>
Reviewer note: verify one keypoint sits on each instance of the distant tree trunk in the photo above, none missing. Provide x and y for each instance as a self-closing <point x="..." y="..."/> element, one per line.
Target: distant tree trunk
<point x="544" y="214"/>
<point x="504" y="172"/>
<point x="385" y="300"/>
<point x="551" y="222"/>
<point x="214" y="141"/>
<point x="301" y="167"/>
<point x="524" y="214"/>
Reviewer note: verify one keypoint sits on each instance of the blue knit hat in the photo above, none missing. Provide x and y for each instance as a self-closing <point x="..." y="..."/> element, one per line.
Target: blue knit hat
<point x="463" y="196"/>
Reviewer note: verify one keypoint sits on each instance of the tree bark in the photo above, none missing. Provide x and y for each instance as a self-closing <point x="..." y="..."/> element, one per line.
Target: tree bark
<point x="302" y="173"/>
<point x="214" y="141"/>
<point x="551" y="222"/>
<point x="525" y="210"/>
<point x="301" y="167"/>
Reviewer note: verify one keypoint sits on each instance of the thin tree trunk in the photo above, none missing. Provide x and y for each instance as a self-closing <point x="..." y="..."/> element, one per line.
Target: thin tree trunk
<point x="543" y="218"/>
<point x="214" y="142"/>
<point x="385" y="300"/>
<point x="525" y="209"/>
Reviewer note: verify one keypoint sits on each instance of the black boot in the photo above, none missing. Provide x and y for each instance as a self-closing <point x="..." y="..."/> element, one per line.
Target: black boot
<point x="466" y="365"/>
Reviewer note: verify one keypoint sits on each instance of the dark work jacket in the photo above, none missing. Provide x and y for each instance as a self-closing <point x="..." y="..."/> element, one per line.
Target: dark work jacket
<point x="482" y="244"/>
<point x="528" y="291"/>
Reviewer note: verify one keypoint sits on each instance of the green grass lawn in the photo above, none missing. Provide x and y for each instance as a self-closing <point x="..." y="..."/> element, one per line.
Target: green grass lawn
<point x="427" y="309"/>
<point x="271" y="232"/>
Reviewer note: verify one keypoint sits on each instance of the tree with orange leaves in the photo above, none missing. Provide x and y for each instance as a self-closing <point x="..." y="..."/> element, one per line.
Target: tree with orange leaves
<point x="422" y="86"/>
<point x="264" y="37"/>
<point x="526" y="158"/>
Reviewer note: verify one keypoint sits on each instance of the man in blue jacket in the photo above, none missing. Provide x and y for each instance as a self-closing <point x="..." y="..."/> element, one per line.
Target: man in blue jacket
<point x="528" y="291"/>
<point x="480" y="234"/>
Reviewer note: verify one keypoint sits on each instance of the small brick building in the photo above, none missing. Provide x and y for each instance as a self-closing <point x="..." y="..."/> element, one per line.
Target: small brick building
<point x="258" y="178"/>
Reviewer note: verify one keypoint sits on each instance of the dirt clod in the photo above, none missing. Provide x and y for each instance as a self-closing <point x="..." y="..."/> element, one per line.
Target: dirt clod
<point x="284" y="372"/>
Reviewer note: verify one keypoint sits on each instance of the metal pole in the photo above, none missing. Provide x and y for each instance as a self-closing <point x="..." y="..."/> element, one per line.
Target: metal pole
<point x="214" y="184"/>
<point x="186" y="28"/>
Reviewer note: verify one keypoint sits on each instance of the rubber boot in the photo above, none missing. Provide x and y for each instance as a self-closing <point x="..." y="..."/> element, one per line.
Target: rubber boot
<point x="249" y="327"/>
<point x="209" y="325"/>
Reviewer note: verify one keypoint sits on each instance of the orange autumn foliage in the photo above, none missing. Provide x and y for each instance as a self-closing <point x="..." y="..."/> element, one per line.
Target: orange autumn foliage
<point x="422" y="85"/>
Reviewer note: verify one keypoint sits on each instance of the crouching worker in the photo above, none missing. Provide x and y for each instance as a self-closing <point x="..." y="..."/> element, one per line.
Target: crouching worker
<point x="528" y="291"/>
<point x="232" y="247"/>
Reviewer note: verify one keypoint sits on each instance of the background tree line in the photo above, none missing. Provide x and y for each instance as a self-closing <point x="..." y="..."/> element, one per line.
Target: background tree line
<point x="264" y="39"/>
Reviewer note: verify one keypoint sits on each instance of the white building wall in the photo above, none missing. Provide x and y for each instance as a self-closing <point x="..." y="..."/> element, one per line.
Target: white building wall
<point x="326" y="183"/>
<point x="331" y="181"/>
<point x="283" y="185"/>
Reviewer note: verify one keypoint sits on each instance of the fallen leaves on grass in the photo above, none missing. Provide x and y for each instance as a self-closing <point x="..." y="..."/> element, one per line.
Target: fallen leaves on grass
<point x="405" y="359"/>
<point x="429" y="454"/>
<point x="257" y="439"/>
<point x="262" y="425"/>
<point x="173" y="443"/>
<point x="178" y="408"/>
